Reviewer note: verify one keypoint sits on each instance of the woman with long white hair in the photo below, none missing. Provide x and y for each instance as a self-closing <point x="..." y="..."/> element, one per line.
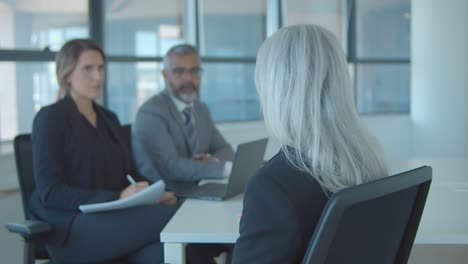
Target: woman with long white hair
<point x="307" y="101"/>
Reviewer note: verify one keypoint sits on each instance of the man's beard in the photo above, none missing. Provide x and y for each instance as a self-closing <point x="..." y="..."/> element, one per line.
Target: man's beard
<point x="184" y="97"/>
<point x="187" y="98"/>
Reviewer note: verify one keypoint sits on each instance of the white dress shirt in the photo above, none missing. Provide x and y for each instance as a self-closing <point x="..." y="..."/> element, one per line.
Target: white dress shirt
<point x="180" y="107"/>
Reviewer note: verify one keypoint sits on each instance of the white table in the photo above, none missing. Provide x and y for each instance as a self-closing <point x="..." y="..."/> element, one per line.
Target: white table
<point x="445" y="217"/>
<point x="444" y="221"/>
<point x="199" y="221"/>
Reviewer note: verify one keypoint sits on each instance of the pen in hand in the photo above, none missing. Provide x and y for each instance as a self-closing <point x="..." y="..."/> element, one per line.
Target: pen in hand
<point x="134" y="187"/>
<point x="130" y="179"/>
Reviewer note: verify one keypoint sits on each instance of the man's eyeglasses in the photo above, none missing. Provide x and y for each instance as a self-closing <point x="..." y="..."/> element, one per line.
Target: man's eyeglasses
<point x="193" y="72"/>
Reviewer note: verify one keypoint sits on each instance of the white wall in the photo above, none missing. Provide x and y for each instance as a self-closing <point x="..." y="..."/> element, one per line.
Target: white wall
<point x="239" y="132"/>
<point x="439" y="85"/>
<point x="392" y="131"/>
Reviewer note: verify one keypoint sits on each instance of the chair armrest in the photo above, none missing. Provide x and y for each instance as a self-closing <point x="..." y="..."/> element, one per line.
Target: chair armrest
<point x="29" y="228"/>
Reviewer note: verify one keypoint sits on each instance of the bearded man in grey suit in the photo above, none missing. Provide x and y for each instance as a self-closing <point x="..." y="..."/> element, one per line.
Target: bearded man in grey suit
<point x="173" y="136"/>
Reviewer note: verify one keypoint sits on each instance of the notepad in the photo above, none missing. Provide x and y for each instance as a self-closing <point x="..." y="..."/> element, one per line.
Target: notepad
<point x="149" y="195"/>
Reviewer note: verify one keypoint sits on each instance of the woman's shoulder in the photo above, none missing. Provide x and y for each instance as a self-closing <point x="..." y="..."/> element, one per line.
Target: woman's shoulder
<point x="278" y="167"/>
<point x="275" y="173"/>
<point x="51" y="121"/>
<point x="279" y="174"/>
<point x="56" y="112"/>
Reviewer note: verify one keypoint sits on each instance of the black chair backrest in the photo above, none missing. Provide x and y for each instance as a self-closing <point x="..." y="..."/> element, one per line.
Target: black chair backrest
<point x="24" y="168"/>
<point x="374" y="222"/>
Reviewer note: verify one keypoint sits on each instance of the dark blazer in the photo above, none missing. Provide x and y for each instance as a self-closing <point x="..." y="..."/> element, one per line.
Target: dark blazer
<point x="282" y="206"/>
<point x="64" y="169"/>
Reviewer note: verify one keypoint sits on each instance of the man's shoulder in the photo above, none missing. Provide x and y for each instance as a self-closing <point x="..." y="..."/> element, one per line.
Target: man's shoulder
<point x="156" y="103"/>
<point x="201" y="107"/>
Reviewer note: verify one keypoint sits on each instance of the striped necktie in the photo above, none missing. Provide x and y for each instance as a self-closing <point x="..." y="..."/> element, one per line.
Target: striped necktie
<point x="190" y="129"/>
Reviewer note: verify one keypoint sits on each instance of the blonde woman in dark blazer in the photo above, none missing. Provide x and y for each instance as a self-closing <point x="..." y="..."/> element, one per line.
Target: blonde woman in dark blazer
<point x="307" y="101"/>
<point x="80" y="157"/>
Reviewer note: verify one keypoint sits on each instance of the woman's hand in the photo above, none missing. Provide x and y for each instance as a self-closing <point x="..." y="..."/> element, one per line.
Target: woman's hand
<point x="133" y="188"/>
<point x="167" y="198"/>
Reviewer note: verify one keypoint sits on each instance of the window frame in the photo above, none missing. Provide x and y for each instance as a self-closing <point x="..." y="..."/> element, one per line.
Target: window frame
<point x="191" y="17"/>
<point x="355" y="60"/>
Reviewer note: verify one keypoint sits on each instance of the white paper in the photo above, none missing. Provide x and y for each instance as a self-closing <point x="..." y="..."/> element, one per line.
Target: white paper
<point x="149" y="195"/>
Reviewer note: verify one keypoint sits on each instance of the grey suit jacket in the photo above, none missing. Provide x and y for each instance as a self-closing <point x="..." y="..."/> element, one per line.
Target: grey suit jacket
<point x="160" y="143"/>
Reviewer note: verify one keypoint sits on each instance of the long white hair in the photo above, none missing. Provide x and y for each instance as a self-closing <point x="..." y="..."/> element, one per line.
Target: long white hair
<point x="307" y="102"/>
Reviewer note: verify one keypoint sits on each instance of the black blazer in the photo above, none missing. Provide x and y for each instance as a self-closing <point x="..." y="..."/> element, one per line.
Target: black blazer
<point x="282" y="206"/>
<point x="63" y="166"/>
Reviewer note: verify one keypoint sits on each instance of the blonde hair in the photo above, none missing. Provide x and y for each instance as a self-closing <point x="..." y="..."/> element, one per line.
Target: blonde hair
<point x="307" y="101"/>
<point x="66" y="59"/>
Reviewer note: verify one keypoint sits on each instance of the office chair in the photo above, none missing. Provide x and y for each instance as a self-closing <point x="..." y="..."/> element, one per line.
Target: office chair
<point x="31" y="230"/>
<point x="371" y="223"/>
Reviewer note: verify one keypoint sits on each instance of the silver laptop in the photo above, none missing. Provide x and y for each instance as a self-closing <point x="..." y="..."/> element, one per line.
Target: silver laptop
<point x="248" y="158"/>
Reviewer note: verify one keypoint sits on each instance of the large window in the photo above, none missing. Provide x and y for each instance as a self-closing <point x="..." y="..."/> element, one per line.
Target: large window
<point x="381" y="53"/>
<point x="129" y="85"/>
<point x="227" y="83"/>
<point x="135" y="35"/>
<point x="30" y="31"/>
<point x="376" y="38"/>
<point x="229" y="91"/>
<point x="32" y="24"/>
<point x="142" y="27"/>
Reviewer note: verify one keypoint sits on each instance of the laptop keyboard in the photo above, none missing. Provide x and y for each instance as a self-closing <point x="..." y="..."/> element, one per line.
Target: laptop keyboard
<point x="216" y="189"/>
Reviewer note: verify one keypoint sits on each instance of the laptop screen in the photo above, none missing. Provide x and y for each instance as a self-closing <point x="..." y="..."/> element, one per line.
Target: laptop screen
<point x="248" y="158"/>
